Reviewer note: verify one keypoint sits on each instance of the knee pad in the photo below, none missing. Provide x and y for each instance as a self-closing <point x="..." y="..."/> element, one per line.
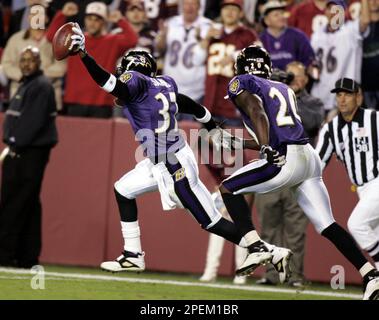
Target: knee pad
<point x="123" y="193"/>
<point x="353" y="224"/>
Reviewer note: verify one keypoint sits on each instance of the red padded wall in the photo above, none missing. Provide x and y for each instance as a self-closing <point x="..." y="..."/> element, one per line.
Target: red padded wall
<point x="74" y="194"/>
<point x="81" y="222"/>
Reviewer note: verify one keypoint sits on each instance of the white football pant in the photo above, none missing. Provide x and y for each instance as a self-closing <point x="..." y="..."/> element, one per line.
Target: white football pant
<point x="302" y="173"/>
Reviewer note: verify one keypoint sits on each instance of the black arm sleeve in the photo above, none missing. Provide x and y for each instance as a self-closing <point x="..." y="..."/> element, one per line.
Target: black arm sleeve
<point x="187" y="105"/>
<point x="97" y="73"/>
<point x="101" y="77"/>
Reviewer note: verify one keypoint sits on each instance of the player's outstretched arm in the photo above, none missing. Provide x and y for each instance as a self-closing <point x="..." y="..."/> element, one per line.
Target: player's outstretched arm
<point x="103" y="78"/>
<point x="201" y="113"/>
<point x="219" y="135"/>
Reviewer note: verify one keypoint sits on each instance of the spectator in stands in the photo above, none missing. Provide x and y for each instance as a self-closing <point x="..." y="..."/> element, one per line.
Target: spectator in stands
<point x="283" y="222"/>
<point x="29" y="133"/>
<point x="310" y="108"/>
<point x="338" y="49"/>
<point x="82" y="97"/>
<point x="212" y="10"/>
<point x="20" y="16"/>
<point x="176" y="41"/>
<point x="136" y="15"/>
<point x="353" y="9"/>
<point x="161" y="10"/>
<point x="218" y="50"/>
<point x="57" y="5"/>
<point x="285" y="44"/>
<point x="35" y="36"/>
<point x="156" y="11"/>
<point x="370" y="65"/>
<point x="308" y="16"/>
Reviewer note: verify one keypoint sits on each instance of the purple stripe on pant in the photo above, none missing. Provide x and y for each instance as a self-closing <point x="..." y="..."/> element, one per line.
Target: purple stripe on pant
<point x="187" y="197"/>
<point x="251" y="177"/>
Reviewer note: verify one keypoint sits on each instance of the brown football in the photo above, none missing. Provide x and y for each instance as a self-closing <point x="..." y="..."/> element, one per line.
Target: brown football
<point x="62" y="41"/>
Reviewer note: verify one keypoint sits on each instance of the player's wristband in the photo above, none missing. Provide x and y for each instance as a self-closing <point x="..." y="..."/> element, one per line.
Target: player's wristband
<point x="206" y="118"/>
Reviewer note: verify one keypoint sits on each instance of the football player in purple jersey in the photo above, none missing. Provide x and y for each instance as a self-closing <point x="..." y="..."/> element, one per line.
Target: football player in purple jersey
<point x="269" y="112"/>
<point x="151" y="103"/>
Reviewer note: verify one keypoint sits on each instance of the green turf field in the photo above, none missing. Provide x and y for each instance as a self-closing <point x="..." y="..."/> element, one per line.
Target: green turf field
<point x="88" y="283"/>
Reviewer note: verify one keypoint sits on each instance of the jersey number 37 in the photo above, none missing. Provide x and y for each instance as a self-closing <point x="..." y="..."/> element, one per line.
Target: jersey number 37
<point x="165" y="112"/>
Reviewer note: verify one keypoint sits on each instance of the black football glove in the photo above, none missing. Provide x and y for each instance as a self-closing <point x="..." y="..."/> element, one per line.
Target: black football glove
<point x="272" y="156"/>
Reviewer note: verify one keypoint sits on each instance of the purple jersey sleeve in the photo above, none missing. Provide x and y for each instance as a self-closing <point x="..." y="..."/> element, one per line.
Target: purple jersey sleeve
<point x="170" y="81"/>
<point x="285" y="128"/>
<point x="241" y="83"/>
<point x="137" y="85"/>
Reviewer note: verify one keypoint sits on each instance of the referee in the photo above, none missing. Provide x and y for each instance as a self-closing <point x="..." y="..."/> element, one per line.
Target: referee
<point x="353" y="136"/>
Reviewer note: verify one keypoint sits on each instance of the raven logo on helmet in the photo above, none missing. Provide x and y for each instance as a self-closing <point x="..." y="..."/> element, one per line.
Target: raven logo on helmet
<point x="254" y="60"/>
<point x="140" y="61"/>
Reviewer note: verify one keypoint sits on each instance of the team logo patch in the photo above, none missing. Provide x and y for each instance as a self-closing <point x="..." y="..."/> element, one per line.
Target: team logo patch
<point x="234" y="86"/>
<point x="125" y="77"/>
<point x="180" y="174"/>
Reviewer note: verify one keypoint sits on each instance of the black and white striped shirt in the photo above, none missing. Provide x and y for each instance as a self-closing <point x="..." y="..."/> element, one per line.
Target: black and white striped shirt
<point x="355" y="143"/>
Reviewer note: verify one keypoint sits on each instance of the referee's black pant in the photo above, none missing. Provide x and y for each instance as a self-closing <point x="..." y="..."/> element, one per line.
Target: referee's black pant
<point x="20" y="207"/>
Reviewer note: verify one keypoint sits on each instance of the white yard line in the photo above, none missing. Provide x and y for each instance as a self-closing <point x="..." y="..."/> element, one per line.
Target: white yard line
<point x="182" y="283"/>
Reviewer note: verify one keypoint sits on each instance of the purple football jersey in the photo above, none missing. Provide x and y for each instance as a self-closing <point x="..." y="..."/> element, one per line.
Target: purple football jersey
<point x="291" y="45"/>
<point x="279" y="102"/>
<point x="151" y="110"/>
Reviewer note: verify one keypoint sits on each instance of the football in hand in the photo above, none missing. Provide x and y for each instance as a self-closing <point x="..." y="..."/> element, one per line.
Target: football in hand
<point x="62" y="41"/>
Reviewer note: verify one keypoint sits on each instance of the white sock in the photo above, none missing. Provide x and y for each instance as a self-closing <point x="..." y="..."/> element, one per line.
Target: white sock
<point x="243" y="243"/>
<point x="377" y="265"/>
<point x="367" y="267"/>
<point x="131" y="233"/>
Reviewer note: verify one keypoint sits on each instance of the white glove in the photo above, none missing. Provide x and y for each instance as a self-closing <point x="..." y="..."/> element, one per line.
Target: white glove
<point x="77" y="39"/>
<point x="223" y="139"/>
<point x="215" y="136"/>
<point x="231" y="142"/>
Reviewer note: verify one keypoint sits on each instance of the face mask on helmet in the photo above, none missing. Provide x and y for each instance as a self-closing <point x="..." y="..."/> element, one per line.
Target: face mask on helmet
<point x="254" y="60"/>
<point x="140" y="61"/>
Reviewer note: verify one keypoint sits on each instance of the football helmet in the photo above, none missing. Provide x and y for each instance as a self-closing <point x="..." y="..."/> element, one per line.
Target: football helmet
<point x="138" y="60"/>
<point x="254" y="60"/>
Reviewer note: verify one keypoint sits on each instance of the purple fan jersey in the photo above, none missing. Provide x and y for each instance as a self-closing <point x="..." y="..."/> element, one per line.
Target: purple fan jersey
<point x="151" y="110"/>
<point x="279" y="103"/>
<point x="291" y="45"/>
